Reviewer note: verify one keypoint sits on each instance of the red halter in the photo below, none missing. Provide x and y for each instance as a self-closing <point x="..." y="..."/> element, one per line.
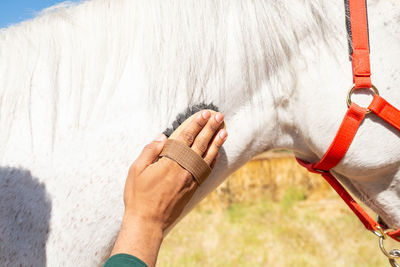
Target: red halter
<point x="359" y="53"/>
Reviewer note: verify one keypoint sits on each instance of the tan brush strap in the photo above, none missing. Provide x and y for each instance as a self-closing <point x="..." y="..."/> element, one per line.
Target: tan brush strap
<point x="187" y="158"/>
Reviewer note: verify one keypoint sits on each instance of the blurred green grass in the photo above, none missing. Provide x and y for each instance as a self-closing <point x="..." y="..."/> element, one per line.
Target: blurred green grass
<point x="302" y="224"/>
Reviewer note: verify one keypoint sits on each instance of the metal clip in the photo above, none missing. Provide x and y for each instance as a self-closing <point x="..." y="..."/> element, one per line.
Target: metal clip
<point x="393" y="254"/>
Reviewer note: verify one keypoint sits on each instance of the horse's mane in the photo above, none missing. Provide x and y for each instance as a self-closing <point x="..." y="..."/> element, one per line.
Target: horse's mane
<point x="71" y="59"/>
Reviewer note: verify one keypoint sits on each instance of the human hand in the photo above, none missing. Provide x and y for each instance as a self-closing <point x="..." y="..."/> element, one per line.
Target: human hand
<point x="157" y="192"/>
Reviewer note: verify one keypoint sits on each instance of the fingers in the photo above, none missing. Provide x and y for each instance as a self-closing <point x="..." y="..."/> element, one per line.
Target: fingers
<point x="149" y="154"/>
<point x="203" y="139"/>
<point x="191" y="130"/>
<point x="215" y="161"/>
<point x="203" y="134"/>
<point x="216" y="144"/>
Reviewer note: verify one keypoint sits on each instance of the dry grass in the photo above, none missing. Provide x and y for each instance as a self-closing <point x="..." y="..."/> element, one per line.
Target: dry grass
<point x="271" y="213"/>
<point x="269" y="175"/>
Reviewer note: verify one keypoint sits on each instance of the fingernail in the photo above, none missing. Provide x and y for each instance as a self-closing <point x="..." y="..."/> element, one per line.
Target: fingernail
<point x="206" y="114"/>
<point x="160" y="138"/>
<point x="223" y="134"/>
<point x="219" y="117"/>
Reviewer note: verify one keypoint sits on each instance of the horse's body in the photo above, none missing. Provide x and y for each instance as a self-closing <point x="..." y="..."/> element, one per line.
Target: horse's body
<point x="83" y="88"/>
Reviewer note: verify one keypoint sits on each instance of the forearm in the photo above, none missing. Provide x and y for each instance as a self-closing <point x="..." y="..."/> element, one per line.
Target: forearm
<point x="139" y="238"/>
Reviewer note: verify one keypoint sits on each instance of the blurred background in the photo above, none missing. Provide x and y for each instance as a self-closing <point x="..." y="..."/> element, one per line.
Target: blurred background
<point x="272" y="212"/>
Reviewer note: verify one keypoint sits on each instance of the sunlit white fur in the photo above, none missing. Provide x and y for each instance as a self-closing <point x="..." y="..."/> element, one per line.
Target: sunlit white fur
<point x="84" y="87"/>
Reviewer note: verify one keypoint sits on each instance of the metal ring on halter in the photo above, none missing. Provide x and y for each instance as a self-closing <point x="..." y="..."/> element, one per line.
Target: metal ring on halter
<point x="350" y="92"/>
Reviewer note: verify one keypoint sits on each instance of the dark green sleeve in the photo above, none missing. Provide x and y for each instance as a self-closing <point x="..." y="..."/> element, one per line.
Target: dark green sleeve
<point x="124" y="260"/>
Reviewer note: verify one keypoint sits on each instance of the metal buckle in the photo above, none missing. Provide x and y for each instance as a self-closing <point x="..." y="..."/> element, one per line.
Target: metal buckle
<point x="351" y="90"/>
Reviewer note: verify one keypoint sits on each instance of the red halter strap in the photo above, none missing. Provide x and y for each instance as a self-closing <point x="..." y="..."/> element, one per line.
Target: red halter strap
<point x="360" y="43"/>
<point x="386" y="111"/>
<point x="359" y="50"/>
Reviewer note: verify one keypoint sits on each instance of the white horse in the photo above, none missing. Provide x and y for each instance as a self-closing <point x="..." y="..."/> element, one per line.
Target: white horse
<point x="83" y="87"/>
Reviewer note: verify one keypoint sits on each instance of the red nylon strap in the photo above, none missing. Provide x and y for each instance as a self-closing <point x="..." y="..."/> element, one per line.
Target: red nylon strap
<point x="344" y="136"/>
<point x="359" y="38"/>
<point x="355" y="115"/>
<point x="394" y="234"/>
<point x="368" y="222"/>
<point x="386" y="111"/>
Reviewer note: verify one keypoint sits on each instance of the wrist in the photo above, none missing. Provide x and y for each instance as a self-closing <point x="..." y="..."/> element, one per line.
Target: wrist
<point x="139" y="237"/>
<point x="142" y="224"/>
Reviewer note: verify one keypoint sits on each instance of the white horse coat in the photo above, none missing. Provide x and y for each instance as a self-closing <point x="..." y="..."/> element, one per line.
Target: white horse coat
<point x="84" y="87"/>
